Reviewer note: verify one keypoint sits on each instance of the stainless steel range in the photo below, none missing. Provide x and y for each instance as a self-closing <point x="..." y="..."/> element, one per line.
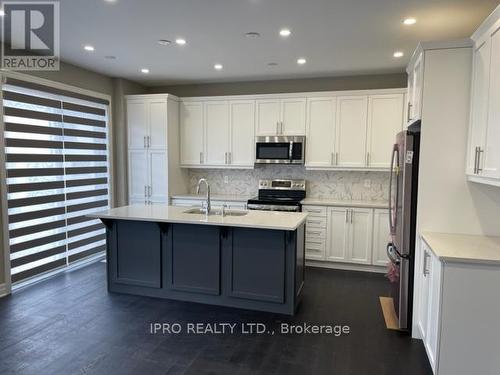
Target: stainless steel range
<point x="279" y="195"/>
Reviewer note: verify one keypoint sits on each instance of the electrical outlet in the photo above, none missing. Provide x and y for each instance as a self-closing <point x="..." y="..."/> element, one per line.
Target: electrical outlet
<point x="226" y="179"/>
<point x="368" y="183"/>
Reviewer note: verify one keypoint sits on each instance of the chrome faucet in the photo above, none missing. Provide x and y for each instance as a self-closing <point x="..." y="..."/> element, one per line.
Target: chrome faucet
<point x="208" y="193"/>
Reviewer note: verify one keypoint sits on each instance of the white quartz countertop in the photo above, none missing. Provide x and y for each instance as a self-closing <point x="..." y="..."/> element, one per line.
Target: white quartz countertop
<point x="343" y="203"/>
<point x="464" y="248"/>
<point x="173" y="214"/>
<point x="215" y="197"/>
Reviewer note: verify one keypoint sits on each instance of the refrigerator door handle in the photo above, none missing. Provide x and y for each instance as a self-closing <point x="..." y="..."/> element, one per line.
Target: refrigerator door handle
<point x="394" y="170"/>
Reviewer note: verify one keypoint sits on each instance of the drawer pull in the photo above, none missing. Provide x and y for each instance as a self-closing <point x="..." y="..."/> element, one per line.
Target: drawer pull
<point x="314" y="221"/>
<point x="318" y="233"/>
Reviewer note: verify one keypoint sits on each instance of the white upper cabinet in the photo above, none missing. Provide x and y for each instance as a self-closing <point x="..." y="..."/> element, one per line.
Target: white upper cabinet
<point x="268" y="117"/>
<point x="385" y="114"/>
<point x="415" y="87"/>
<point x="242" y="120"/>
<point x="191" y="133"/>
<point x="281" y="116"/>
<point x="293" y="116"/>
<point x="157" y="125"/>
<point x="483" y="154"/>
<point x="351" y="131"/>
<point x="491" y="163"/>
<point x="320" y="148"/>
<point x="217" y="132"/>
<point x="137" y="120"/>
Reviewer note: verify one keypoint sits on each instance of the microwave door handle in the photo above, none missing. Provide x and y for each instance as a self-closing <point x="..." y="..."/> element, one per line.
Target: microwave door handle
<point x="290" y="152"/>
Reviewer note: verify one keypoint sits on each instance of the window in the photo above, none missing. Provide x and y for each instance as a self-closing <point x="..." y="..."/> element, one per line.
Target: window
<point x="56" y="153"/>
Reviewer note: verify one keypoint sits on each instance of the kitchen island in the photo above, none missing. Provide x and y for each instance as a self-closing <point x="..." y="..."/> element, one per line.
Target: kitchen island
<point x="245" y="259"/>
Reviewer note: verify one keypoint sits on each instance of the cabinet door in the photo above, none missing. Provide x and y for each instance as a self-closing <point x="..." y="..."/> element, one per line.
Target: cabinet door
<point x="293" y="116"/>
<point x="380" y="237"/>
<point x="479" y="109"/>
<point x="192" y="133"/>
<point x="217" y="132"/>
<point x="137" y="123"/>
<point x="158" y="176"/>
<point x="337" y="239"/>
<point x="137" y="175"/>
<point x="491" y="164"/>
<point x="418" y="82"/>
<point x="360" y="236"/>
<point x="434" y="303"/>
<point x="423" y="312"/>
<point x="242" y="119"/>
<point x="351" y="131"/>
<point x="268" y="116"/>
<point x="321" y="132"/>
<point x="158" y="125"/>
<point x="384" y="122"/>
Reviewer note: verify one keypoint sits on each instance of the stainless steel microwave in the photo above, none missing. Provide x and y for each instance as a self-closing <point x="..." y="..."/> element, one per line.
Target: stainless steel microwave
<point x="280" y="150"/>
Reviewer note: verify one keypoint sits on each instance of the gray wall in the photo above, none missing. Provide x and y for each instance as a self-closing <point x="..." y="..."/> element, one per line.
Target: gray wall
<point x="363" y="82"/>
<point x="116" y="88"/>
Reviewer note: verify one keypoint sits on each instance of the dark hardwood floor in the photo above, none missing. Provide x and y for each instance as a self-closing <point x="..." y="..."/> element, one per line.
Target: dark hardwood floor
<point x="71" y="325"/>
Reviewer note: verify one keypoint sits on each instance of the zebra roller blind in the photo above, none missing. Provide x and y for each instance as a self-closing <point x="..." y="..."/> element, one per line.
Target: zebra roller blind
<point x="56" y="152"/>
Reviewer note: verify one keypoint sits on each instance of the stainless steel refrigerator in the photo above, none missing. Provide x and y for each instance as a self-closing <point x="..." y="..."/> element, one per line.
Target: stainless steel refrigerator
<point x="402" y="220"/>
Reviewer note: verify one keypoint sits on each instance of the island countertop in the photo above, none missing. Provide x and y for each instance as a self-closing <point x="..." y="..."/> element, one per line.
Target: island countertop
<point x="172" y="214"/>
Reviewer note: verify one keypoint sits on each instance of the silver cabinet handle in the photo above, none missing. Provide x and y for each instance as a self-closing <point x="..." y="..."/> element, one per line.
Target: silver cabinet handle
<point x="425" y="271"/>
<point x="479" y="152"/>
<point x="149" y="141"/>
<point x="150" y="191"/>
<point x="201" y="157"/>
<point x="475" y="160"/>
<point x="347" y="215"/>
<point x="367" y="159"/>
<point x="314" y="221"/>
<point x="145" y="144"/>
<point x="281" y="127"/>
<point x="336" y="158"/>
<point x="408" y="112"/>
<point x="352" y="213"/>
<point x="277" y="127"/>
<point x="225" y="157"/>
<point x="230" y="156"/>
<point x="145" y="194"/>
<point x="332" y="159"/>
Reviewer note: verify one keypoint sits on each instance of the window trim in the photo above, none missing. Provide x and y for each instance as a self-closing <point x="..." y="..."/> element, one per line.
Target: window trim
<point x="3" y="171"/>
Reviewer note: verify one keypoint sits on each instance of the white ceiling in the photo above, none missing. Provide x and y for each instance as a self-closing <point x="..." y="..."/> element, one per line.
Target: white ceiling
<point x="337" y="37"/>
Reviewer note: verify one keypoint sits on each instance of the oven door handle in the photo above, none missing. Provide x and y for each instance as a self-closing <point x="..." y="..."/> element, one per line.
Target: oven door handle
<point x="290" y="151"/>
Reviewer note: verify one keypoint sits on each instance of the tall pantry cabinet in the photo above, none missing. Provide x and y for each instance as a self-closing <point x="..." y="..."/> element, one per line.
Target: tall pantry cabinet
<point x="153" y="126"/>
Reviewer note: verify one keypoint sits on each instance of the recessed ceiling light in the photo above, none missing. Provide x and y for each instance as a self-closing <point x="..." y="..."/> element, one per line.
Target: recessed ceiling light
<point x="301" y="61"/>
<point x="180" y="41"/>
<point x="2" y="13"/>
<point x="218" y="66"/>
<point x="145" y="70"/>
<point x="398" y="54"/>
<point x="252" y="34"/>
<point x="410" y="21"/>
<point x="89" y="48"/>
<point x="272" y="64"/>
<point x="164" y="42"/>
<point x="285" y="32"/>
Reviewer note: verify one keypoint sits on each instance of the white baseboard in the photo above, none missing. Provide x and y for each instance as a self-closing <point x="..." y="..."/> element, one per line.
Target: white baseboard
<point x="346" y="266"/>
<point x="3" y="290"/>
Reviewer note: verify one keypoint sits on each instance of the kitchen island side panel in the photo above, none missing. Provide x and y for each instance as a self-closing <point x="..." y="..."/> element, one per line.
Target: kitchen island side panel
<point x="204" y="264"/>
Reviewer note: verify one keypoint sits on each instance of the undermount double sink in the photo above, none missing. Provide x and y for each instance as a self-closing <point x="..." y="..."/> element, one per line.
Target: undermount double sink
<point x="202" y="211"/>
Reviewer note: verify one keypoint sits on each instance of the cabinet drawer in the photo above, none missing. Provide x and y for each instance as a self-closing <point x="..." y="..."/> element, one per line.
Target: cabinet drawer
<point x="314" y="210"/>
<point x="315" y="222"/>
<point x="313" y="233"/>
<point x="315" y="249"/>
<point x="316" y="244"/>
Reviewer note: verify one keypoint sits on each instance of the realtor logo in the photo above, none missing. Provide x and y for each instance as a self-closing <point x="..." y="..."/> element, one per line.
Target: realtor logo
<point x="30" y="35"/>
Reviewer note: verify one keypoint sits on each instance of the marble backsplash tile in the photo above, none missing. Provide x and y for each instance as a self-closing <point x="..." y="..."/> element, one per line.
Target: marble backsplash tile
<point x="345" y="185"/>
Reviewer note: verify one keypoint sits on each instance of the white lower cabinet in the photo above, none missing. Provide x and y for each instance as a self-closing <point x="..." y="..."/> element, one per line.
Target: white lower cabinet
<point x="381" y="234"/>
<point x="458" y="310"/>
<point x="346" y="235"/>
